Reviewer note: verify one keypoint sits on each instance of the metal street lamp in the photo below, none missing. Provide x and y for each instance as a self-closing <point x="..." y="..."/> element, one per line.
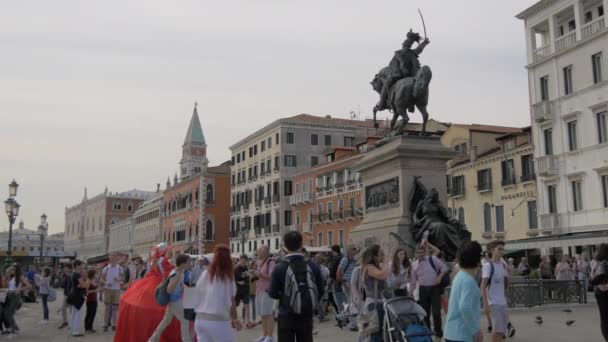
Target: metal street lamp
<point x="42" y="230"/>
<point x="12" y="189"/>
<point x="243" y="238"/>
<point x="12" y="211"/>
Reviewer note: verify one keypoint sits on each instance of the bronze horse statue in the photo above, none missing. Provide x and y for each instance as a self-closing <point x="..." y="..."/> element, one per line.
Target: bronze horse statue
<point x="403" y="96"/>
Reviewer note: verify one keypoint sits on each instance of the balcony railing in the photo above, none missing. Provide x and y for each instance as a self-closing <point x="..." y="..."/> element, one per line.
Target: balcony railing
<point x="593" y="27"/>
<point x="457" y="191"/>
<point x="303" y="197"/>
<point x="542" y="111"/>
<point x="209" y="203"/>
<point x="275" y="228"/>
<point x="549" y="221"/>
<point x="528" y="178"/>
<point x="484" y="186"/>
<point x="565" y="41"/>
<point x="307" y="227"/>
<point x="542" y="52"/>
<point x="267" y="200"/>
<point x="546" y="165"/>
<point x="276" y="198"/>
<point x="508" y="181"/>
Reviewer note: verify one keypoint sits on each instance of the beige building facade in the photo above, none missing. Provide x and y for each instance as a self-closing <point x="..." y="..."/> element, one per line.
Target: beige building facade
<point x="147" y="230"/>
<point x="492" y="183"/>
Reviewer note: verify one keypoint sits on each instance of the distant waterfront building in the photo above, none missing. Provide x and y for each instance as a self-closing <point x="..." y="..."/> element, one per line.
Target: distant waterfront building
<point x="491" y="182"/>
<point x="567" y="50"/>
<point x="87" y="224"/>
<point x="195" y="208"/>
<point x="26" y="245"/>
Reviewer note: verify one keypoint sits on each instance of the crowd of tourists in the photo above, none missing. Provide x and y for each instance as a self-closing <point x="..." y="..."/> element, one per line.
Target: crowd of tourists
<point x="207" y="299"/>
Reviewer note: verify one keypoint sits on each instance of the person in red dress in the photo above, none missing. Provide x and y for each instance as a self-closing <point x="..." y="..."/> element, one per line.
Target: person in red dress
<point x="139" y="314"/>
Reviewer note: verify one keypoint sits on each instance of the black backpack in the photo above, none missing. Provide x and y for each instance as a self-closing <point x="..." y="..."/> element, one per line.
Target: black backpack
<point x="335" y="263"/>
<point x="445" y="281"/>
<point x="300" y="294"/>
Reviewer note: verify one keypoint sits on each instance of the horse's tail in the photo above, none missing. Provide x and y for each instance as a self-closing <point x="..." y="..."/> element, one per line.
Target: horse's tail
<point x="423" y="78"/>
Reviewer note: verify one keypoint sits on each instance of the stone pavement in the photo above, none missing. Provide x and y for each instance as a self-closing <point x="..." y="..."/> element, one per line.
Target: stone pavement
<point x="585" y="328"/>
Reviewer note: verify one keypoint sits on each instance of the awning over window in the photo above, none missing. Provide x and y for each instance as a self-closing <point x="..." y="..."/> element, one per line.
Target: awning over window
<point x="98" y="259"/>
<point x="563" y="241"/>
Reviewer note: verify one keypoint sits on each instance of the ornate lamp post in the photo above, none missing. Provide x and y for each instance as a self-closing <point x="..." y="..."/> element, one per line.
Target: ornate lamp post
<point x="12" y="211"/>
<point x="42" y="229"/>
<point x="243" y="238"/>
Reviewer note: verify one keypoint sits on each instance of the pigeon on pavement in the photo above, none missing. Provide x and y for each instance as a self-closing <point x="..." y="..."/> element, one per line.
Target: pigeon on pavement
<point x="567" y="310"/>
<point x="569" y="323"/>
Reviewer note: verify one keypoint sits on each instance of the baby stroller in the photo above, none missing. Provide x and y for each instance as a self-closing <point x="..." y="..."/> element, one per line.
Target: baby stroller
<point x="403" y="318"/>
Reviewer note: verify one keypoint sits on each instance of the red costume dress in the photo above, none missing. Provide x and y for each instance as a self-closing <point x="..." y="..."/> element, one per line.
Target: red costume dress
<point x="138" y="314"/>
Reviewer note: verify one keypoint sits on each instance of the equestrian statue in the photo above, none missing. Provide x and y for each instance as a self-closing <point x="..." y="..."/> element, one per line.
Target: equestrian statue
<point x="404" y="85"/>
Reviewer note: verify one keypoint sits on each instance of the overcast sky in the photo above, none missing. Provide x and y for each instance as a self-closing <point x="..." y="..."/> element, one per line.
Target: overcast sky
<point x="96" y="93"/>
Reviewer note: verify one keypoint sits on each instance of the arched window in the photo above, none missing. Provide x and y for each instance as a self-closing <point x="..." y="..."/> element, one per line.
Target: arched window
<point x="487" y="218"/>
<point x="209" y="195"/>
<point x="461" y="215"/>
<point x="209" y="231"/>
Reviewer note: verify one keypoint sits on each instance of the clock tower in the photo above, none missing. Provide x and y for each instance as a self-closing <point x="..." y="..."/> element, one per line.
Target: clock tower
<point x="194" y="151"/>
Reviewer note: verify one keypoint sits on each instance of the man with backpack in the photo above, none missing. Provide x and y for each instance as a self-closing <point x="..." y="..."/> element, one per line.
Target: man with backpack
<point x="495" y="280"/>
<point x="298" y="285"/>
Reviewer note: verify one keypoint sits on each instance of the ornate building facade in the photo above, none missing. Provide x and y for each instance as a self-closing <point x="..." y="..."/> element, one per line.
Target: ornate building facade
<point x="327" y="200"/>
<point x="87" y="224"/>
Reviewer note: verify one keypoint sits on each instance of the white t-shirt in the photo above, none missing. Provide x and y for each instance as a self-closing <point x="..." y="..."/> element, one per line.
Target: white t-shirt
<point x="215" y="297"/>
<point x="496" y="290"/>
<point x="324" y="272"/>
<point x="12" y="284"/>
<point x="112" y="277"/>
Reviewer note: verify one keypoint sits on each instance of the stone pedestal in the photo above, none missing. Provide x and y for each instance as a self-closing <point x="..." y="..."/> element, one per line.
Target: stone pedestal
<point x="388" y="173"/>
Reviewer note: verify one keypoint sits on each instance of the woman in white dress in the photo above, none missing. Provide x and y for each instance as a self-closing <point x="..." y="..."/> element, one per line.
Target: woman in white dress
<point x="216" y="315"/>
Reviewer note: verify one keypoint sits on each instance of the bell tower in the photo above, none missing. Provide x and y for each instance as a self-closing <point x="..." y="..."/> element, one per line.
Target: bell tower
<point x="194" y="151"/>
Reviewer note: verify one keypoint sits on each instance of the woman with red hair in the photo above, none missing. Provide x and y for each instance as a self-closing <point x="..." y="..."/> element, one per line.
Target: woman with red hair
<point x="216" y="314"/>
<point x="138" y="314"/>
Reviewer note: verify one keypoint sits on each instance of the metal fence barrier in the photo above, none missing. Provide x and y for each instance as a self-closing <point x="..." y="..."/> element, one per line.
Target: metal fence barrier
<point x="533" y="292"/>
